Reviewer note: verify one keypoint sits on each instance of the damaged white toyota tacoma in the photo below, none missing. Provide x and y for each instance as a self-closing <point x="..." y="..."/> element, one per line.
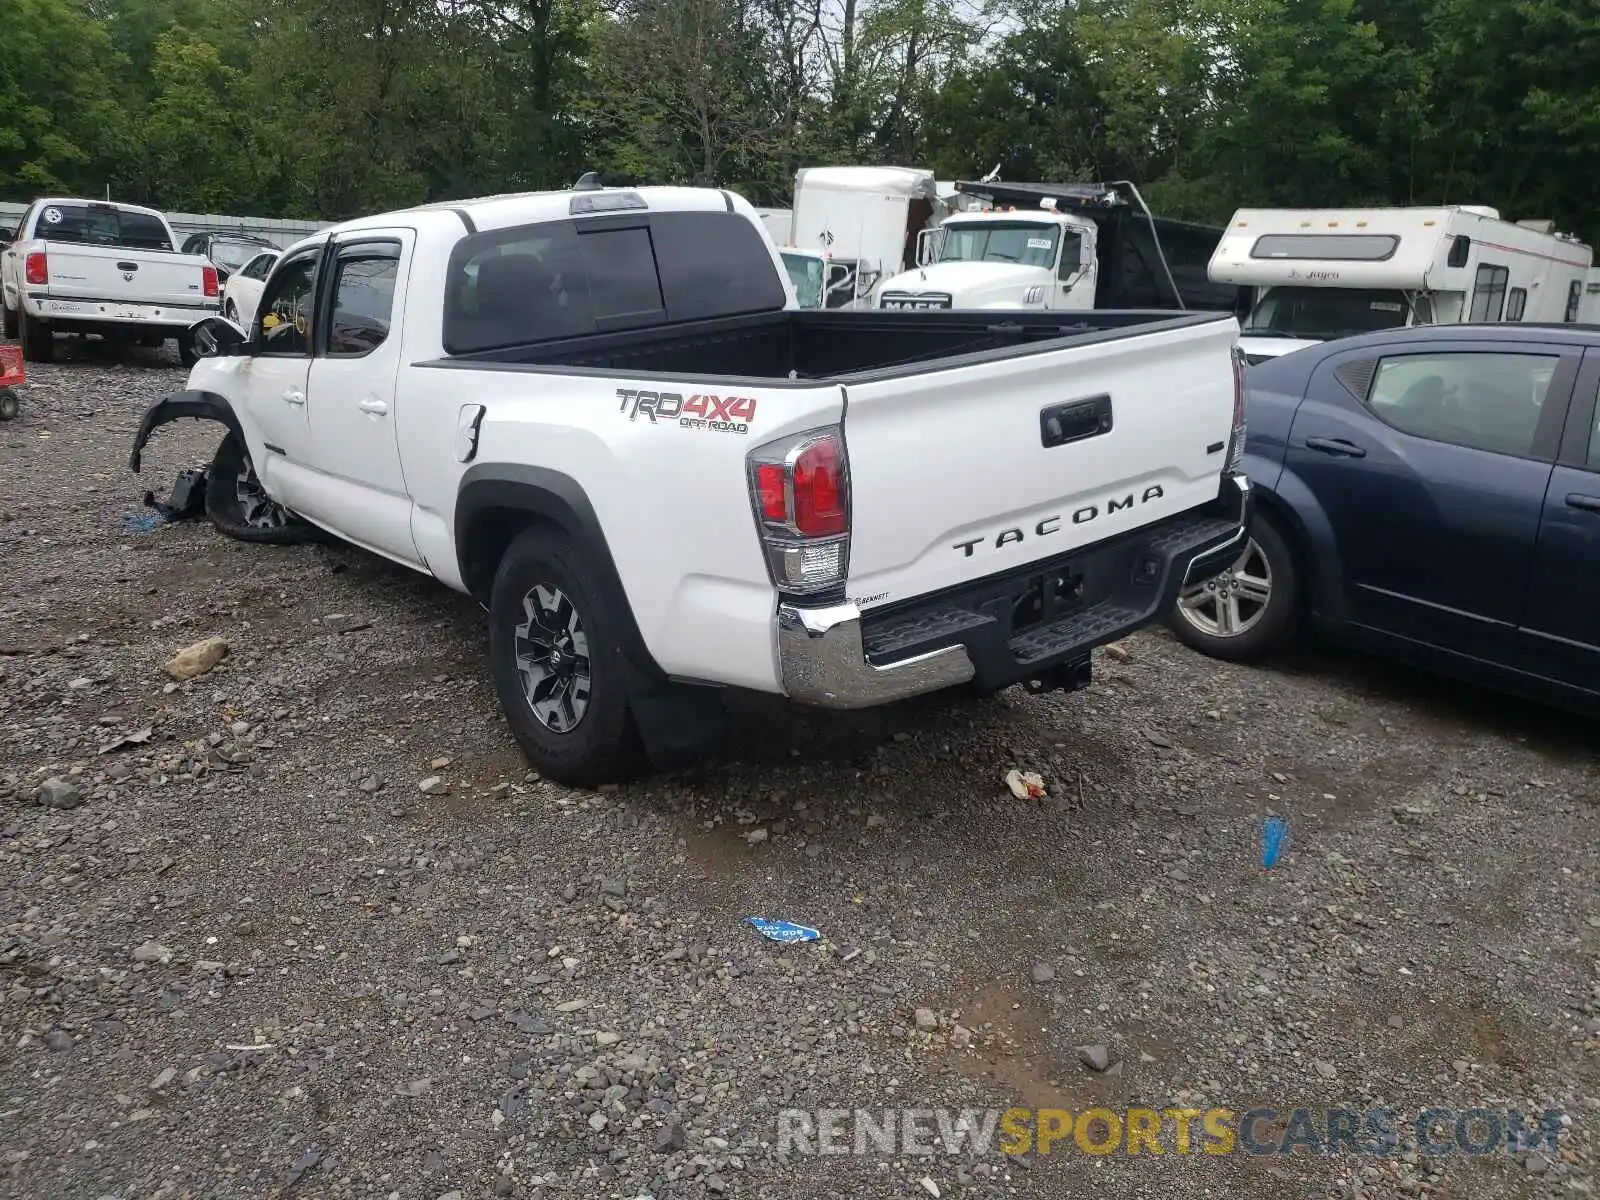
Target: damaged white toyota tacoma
<point x="601" y="413"/>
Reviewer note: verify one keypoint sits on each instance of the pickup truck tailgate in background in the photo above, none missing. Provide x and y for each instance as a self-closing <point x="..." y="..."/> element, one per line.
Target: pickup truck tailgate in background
<point x="951" y="479"/>
<point x="113" y="273"/>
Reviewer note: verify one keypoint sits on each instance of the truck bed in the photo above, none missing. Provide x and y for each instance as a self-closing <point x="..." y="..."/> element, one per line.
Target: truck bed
<point x="849" y="346"/>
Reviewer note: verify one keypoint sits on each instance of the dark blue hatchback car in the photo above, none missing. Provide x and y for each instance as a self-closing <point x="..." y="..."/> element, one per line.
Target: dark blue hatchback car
<point x="1432" y="493"/>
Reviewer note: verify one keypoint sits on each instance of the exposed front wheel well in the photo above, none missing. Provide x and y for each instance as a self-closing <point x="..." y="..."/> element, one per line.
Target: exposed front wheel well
<point x="203" y="406"/>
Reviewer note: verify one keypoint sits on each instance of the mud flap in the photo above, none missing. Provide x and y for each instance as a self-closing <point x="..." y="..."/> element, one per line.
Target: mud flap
<point x="678" y="723"/>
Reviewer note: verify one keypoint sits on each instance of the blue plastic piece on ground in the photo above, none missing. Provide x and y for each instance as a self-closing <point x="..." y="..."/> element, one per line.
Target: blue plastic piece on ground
<point x="1272" y="835"/>
<point x="141" y="522"/>
<point x="783" y="931"/>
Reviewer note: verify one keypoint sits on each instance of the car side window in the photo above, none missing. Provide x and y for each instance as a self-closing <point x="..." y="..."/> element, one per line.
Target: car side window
<point x="283" y="319"/>
<point x="363" y="299"/>
<point x="1481" y="401"/>
<point x="1594" y="439"/>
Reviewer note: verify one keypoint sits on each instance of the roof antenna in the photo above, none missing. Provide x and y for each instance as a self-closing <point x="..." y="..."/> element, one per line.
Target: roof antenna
<point x="589" y="181"/>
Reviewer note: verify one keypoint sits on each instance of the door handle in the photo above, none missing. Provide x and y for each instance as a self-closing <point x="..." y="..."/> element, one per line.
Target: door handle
<point x="373" y="405"/>
<point x="1587" y="503"/>
<point x="1335" y="446"/>
<point x="294" y="396"/>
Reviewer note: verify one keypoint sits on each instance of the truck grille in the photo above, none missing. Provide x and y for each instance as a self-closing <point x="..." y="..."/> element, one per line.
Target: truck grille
<point x="914" y="300"/>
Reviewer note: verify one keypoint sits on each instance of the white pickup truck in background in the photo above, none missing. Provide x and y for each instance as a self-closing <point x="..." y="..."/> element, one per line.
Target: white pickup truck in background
<point x="89" y="266"/>
<point x="601" y="413"/>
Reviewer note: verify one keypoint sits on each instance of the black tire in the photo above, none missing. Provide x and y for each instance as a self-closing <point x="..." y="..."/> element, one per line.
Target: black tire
<point x="1278" y="622"/>
<point x="231" y="313"/>
<point x="8" y="320"/>
<point x="8" y="404"/>
<point x="238" y="507"/>
<point x="38" y="343"/>
<point x="602" y="744"/>
<point x="187" y="354"/>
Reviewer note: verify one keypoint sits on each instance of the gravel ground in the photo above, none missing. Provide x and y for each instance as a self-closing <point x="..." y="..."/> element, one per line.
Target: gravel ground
<point x="247" y="956"/>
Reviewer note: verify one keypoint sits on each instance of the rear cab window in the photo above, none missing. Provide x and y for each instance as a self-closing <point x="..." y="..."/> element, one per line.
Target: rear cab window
<point x="101" y="225"/>
<point x="569" y="278"/>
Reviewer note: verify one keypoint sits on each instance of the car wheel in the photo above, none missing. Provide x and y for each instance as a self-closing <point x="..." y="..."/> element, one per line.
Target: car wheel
<point x="238" y="505"/>
<point x="38" y="342"/>
<point x="1249" y="611"/>
<point x="8" y="404"/>
<point x="188" y="355"/>
<point x="231" y="313"/>
<point x="555" y="651"/>
<point x="8" y="320"/>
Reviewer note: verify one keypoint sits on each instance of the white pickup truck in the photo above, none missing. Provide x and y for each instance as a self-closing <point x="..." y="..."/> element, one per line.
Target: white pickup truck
<point x="87" y="266"/>
<point x="601" y="413"/>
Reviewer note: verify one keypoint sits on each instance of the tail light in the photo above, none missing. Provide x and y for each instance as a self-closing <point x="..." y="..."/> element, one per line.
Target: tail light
<point x="208" y="281"/>
<point x="36" y="268"/>
<point x="800" y="490"/>
<point x="1236" y="439"/>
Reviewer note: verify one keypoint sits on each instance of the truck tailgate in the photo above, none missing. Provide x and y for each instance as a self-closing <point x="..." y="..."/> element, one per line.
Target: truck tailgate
<point x="951" y="479"/>
<point x="114" y="273"/>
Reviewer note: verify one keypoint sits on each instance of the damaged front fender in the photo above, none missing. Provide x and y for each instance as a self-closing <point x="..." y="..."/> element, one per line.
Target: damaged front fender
<point x="204" y="406"/>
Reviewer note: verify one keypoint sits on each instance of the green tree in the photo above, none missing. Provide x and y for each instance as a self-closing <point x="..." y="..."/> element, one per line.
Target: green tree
<point x="57" y="112"/>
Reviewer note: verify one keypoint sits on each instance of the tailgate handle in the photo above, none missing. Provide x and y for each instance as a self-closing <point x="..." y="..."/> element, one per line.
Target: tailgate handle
<point x="128" y="266"/>
<point x="1072" y="422"/>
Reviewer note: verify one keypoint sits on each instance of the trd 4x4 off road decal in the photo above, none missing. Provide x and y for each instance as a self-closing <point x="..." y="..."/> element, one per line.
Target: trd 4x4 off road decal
<point x="720" y="414"/>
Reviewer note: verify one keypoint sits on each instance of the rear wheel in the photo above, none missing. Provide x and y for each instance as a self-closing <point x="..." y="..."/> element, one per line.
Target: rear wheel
<point x="8" y="404"/>
<point x="1249" y="611"/>
<point x="187" y="354"/>
<point x="38" y="343"/>
<point x="240" y="508"/>
<point x="555" y="651"/>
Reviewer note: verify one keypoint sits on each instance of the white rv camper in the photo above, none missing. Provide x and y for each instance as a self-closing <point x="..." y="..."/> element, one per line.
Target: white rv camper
<point x="1589" y="306"/>
<point x="862" y="222"/>
<point x="1334" y="272"/>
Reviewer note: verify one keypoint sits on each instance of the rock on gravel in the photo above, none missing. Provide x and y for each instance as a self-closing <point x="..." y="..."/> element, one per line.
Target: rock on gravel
<point x="60" y="793"/>
<point x="199" y="659"/>
<point x="1095" y="1056"/>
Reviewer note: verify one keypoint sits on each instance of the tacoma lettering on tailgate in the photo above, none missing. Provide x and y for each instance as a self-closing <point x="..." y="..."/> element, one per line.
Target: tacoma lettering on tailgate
<point x="720" y="414"/>
<point x="1052" y="523"/>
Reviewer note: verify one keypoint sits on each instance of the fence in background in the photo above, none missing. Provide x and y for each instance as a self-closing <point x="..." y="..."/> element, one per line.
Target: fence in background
<point x="282" y="232"/>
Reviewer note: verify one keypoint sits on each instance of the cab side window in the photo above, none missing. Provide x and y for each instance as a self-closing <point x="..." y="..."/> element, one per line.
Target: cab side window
<point x="1071" y="255"/>
<point x="363" y="299"/>
<point x="283" y="318"/>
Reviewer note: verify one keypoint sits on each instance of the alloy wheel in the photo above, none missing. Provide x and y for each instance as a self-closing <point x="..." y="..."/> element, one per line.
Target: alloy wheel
<point x="256" y="508"/>
<point x="553" y="658"/>
<point x="1233" y="601"/>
